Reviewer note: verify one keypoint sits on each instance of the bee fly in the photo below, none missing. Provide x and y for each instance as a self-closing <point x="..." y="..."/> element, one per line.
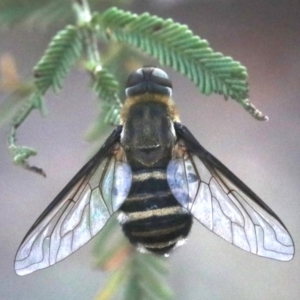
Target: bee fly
<point x="152" y="171"/>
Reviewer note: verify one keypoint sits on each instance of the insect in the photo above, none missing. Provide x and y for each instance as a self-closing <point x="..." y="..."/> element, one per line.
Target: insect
<point x="155" y="174"/>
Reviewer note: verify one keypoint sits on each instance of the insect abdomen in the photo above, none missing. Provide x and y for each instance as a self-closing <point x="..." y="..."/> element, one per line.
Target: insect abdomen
<point x="153" y="219"/>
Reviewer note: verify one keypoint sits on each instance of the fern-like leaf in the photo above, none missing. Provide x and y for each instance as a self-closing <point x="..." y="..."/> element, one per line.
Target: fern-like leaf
<point x="146" y="278"/>
<point x="105" y="85"/>
<point x="176" y="46"/>
<point x="107" y="89"/>
<point x="143" y="275"/>
<point x="62" y="53"/>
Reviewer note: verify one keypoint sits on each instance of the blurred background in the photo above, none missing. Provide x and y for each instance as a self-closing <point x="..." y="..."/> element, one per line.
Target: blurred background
<point x="265" y="37"/>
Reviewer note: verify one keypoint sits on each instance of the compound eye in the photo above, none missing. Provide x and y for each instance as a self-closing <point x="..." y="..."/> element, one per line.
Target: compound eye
<point x="135" y="78"/>
<point x="148" y="80"/>
<point x="161" y="77"/>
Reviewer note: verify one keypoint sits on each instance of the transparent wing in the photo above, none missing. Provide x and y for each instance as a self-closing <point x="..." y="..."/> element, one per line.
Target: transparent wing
<point x="79" y="212"/>
<point x="223" y="203"/>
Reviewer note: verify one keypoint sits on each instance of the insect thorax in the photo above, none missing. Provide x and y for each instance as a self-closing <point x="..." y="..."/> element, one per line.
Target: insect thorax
<point x="148" y="134"/>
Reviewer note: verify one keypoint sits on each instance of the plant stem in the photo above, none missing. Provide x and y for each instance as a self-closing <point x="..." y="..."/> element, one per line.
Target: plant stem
<point x="83" y="11"/>
<point x="84" y="17"/>
<point x="21" y="154"/>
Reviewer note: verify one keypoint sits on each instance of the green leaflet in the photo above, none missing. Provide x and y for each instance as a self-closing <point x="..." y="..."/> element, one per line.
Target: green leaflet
<point x="176" y="46"/>
<point x="107" y="88"/>
<point x="147" y="281"/>
<point x="61" y="54"/>
<point x="105" y="85"/>
<point x="144" y="275"/>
